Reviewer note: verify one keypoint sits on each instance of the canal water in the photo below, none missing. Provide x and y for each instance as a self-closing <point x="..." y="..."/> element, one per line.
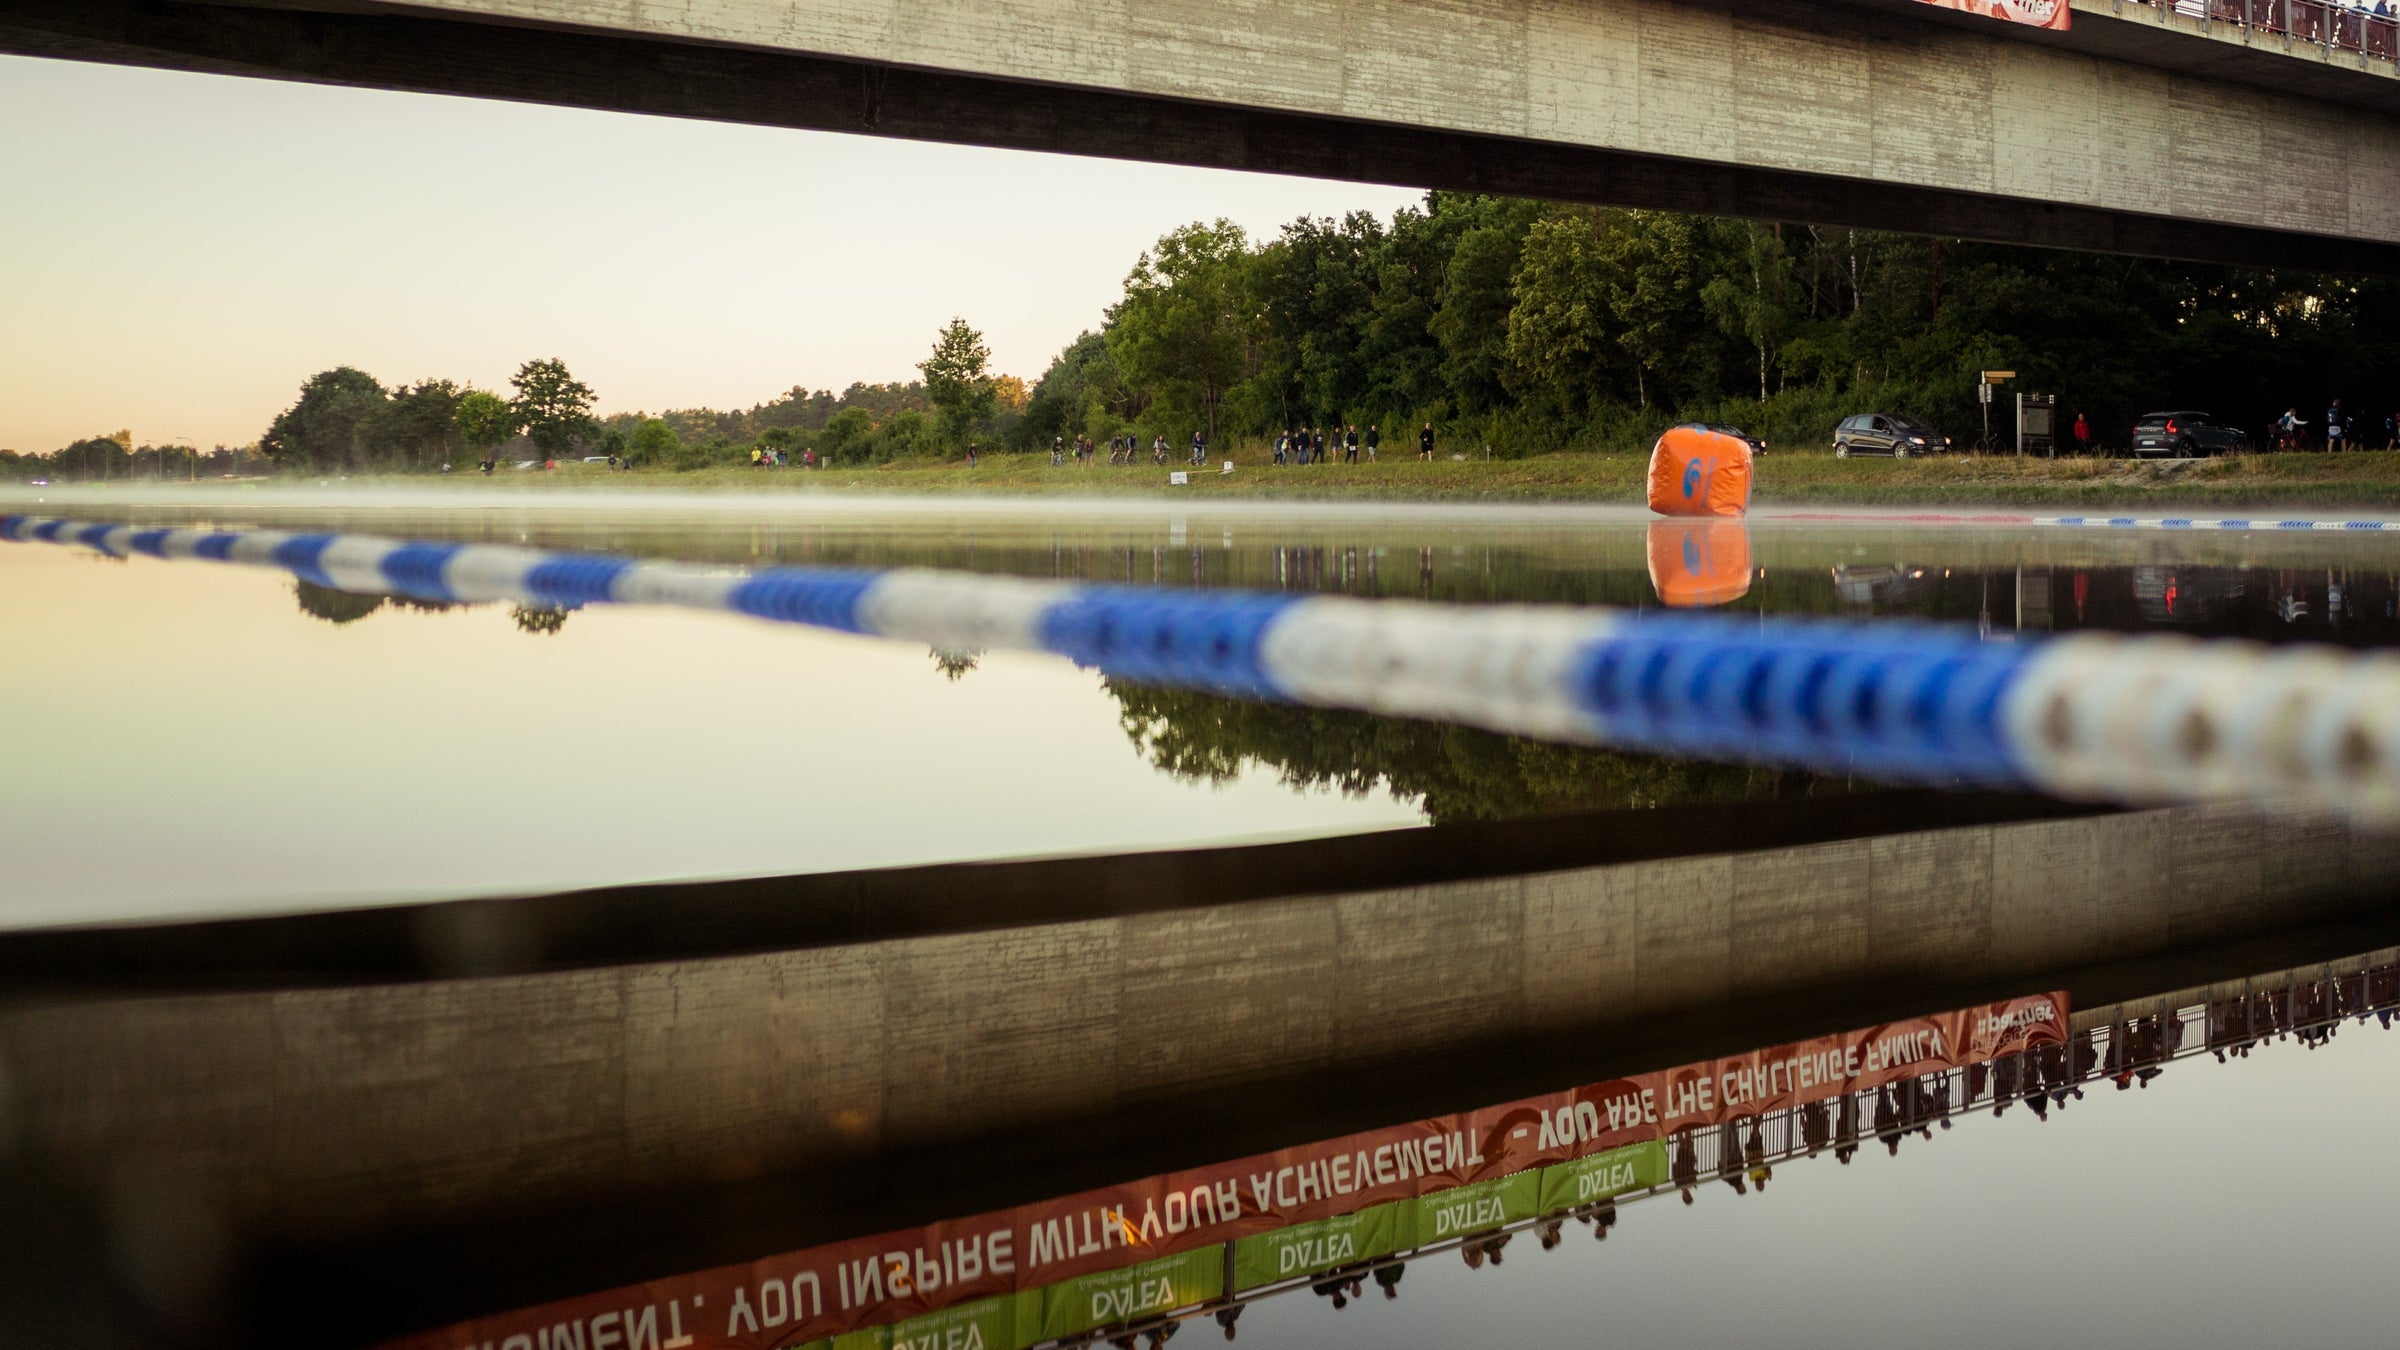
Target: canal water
<point x="2202" y="1158"/>
<point x="269" y="744"/>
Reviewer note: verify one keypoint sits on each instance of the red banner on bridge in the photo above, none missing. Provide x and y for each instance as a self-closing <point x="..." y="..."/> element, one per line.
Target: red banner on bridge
<point x="2037" y="13"/>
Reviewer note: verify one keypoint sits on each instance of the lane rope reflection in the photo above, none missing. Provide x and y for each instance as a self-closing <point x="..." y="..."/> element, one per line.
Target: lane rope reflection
<point x="2233" y="524"/>
<point x="2135" y="719"/>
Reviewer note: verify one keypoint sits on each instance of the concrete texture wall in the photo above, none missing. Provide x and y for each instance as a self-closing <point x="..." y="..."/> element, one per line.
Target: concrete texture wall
<point x="1768" y="84"/>
<point x="2124" y="136"/>
<point x="332" y="1110"/>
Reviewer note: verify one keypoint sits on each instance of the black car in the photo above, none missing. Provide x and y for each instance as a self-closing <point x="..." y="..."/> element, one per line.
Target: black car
<point x="1886" y="434"/>
<point x="1757" y="446"/>
<point x="2185" y="435"/>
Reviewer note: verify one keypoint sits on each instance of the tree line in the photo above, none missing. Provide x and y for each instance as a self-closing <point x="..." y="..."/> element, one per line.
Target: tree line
<point x="1522" y="326"/>
<point x="115" y="456"/>
<point x="1531" y="327"/>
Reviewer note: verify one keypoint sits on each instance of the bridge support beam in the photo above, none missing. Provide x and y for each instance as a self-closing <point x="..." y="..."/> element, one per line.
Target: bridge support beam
<point x="494" y="54"/>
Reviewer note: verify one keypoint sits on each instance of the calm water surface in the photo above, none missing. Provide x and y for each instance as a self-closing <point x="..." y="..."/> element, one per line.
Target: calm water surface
<point x="217" y="739"/>
<point x="192" y="738"/>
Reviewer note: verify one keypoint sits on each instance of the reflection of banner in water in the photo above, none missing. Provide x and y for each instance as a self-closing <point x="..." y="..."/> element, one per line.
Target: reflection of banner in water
<point x="2057" y="14"/>
<point x="1126" y="1253"/>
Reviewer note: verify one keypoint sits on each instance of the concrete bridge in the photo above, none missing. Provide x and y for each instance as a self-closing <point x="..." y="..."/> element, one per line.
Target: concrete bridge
<point x="415" y="1114"/>
<point x="2138" y="131"/>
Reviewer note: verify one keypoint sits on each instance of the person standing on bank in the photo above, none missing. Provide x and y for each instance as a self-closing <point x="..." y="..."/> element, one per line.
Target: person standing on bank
<point x="2083" y="435"/>
<point x="2336" y="427"/>
<point x="1425" y="442"/>
<point x="1374" y="438"/>
<point x="1350" y="445"/>
<point x="1317" y="444"/>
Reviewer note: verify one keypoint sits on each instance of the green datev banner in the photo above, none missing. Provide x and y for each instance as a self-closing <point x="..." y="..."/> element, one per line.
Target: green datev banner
<point x="1471" y="1209"/>
<point x="1127" y="1295"/>
<point x="1306" y="1248"/>
<point x="1005" y="1323"/>
<point x="1602" y="1175"/>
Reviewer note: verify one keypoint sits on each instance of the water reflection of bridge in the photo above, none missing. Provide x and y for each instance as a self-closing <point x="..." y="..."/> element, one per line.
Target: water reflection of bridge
<point x="2119" y="1045"/>
<point x="412" y="1115"/>
<point x="1149" y="1280"/>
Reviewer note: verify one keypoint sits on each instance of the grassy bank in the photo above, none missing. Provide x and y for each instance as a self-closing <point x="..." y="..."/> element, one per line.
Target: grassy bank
<point x="2294" y="481"/>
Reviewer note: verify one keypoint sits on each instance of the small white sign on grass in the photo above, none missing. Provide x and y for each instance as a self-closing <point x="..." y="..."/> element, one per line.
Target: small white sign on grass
<point x="1179" y="478"/>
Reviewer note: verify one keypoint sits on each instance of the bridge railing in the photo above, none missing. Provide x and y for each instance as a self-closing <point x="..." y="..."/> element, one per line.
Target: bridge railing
<point x="2333" y="26"/>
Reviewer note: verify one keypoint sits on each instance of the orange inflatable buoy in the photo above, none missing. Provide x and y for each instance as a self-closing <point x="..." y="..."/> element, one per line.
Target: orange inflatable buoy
<point x="1699" y="562"/>
<point x="1699" y="471"/>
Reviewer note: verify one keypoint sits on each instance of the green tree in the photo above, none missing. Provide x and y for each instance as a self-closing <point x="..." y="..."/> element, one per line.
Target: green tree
<point x="1184" y="328"/>
<point x="321" y="432"/>
<point x="1652" y="281"/>
<point x="958" y="381"/>
<point x="653" y="444"/>
<point x="905" y="434"/>
<point x="416" y="429"/>
<point x="101" y="457"/>
<point x="484" y="420"/>
<point x="1471" y="317"/>
<point x="553" y="406"/>
<point x="1561" y="344"/>
<point x="1755" y="300"/>
<point x="1315" y="298"/>
<point x="849" y="437"/>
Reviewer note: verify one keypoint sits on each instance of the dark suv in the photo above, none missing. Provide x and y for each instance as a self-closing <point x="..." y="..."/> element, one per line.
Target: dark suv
<point x="1886" y="434"/>
<point x="1757" y="446"/>
<point x="2183" y="435"/>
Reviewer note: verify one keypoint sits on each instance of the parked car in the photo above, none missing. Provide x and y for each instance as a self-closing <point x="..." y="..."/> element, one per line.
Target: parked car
<point x="2184" y="435"/>
<point x="1886" y="434"/>
<point x="1869" y="584"/>
<point x="1757" y="446"/>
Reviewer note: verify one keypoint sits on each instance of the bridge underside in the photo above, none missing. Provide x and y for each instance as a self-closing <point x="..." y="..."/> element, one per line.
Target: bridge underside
<point x="639" y="72"/>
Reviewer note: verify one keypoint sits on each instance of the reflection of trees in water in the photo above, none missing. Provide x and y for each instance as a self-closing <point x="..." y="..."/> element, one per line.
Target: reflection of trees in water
<point x="540" y="619"/>
<point x="954" y="664"/>
<point x="1458" y="772"/>
<point x="339" y="606"/>
<point x="324" y="602"/>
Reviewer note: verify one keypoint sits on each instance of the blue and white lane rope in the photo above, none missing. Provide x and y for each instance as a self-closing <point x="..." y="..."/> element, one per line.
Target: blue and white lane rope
<point x="2096" y="716"/>
<point x="2219" y="523"/>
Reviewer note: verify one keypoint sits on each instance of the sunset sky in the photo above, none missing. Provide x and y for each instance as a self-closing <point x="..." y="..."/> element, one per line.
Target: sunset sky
<point x="184" y="249"/>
